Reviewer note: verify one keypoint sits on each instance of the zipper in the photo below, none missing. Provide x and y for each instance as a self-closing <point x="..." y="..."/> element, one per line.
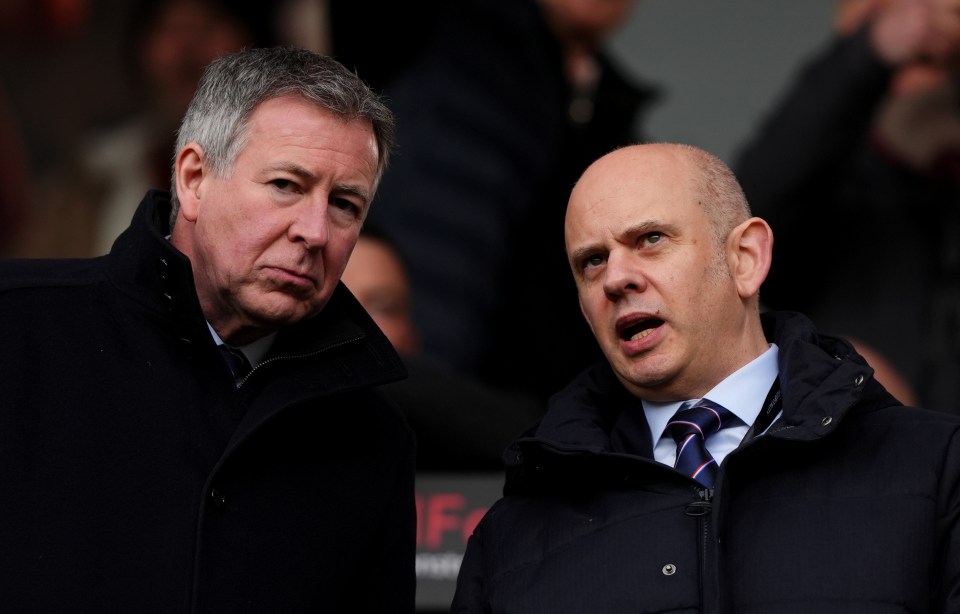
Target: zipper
<point x="705" y="508"/>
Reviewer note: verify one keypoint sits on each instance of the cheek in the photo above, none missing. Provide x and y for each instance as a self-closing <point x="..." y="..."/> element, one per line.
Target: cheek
<point x="593" y="312"/>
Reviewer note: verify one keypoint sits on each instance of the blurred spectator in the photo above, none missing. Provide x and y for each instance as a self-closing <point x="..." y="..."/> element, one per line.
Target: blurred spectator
<point x="497" y="116"/>
<point x="461" y="424"/>
<point x="376" y="275"/>
<point x="25" y="23"/>
<point x="89" y="201"/>
<point x="888" y="375"/>
<point x="858" y="171"/>
<point x="345" y="29"/>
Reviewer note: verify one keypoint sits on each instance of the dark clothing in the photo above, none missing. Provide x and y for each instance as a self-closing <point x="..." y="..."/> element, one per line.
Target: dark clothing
<point x="460" y="423"/>
<point x="475" y="197"/>
<point x="137" y="477"/>
<point x="850" y="502"/>
<point x="866" y="247"/>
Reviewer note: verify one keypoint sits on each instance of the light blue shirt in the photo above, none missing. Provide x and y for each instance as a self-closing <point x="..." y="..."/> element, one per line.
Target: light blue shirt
<point x="742" y="392"/>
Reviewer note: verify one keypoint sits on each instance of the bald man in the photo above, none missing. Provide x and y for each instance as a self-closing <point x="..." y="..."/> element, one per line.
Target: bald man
<point x="717" y="460"/>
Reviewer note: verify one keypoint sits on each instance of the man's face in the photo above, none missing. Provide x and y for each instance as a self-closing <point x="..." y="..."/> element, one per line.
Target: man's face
<point x="589" y="21"/>
<point x="269" y="242"/>
<point x="376" y="276"/>
<point x="652" y="285"/>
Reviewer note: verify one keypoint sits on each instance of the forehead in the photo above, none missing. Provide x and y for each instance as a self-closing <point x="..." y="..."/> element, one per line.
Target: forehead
<point x="630" y="191"/>
<point x="290" y="130"/>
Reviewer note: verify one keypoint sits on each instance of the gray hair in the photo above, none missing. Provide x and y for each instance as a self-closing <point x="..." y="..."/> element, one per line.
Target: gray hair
<point x="235" y="84"/>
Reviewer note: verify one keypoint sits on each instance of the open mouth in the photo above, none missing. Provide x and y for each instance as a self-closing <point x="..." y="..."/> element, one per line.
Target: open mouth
<point x="640" y="329"/>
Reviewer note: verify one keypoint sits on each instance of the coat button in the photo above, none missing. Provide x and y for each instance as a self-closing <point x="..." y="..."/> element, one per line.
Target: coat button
<point x="858" y="380"/>
<point x="826" y="421"/>
<point x="217" y="498"/>
<point x="669" y="569"/>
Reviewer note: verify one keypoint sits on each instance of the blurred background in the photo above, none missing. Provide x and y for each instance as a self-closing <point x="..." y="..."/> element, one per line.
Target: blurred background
<point x="718" y="64"/>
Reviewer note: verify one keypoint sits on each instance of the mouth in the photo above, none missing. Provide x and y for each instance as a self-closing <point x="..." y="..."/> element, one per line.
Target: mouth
<point x="640" y="328"/>
<point x="294" y="278"/>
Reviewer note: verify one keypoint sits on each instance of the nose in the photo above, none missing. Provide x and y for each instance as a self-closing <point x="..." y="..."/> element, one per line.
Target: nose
<point x="310" y="224"/>
<point x="622" y="275"/>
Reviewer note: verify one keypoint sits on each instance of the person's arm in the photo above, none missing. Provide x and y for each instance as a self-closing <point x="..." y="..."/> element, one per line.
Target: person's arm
<point x="392" y="575"/>
<point x="821" y="121"/>
<point x="469" y="596"/>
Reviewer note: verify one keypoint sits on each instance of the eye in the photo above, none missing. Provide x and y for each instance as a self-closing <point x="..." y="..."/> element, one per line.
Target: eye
<point x="651" y="238"/>
<point x="284" y="185"/>
<point x="592" y="261"/>
<point x="347" y="205"/>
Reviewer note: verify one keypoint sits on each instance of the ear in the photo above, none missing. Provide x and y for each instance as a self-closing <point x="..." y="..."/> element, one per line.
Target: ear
<point x="749" y="254"/>
<point x="190" y="174"/>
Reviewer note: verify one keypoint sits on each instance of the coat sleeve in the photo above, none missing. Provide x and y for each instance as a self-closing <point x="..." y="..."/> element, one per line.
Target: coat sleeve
<point x="394" y="582"/>
<point x="817" y="124"/>
<point x="469" y="597"/>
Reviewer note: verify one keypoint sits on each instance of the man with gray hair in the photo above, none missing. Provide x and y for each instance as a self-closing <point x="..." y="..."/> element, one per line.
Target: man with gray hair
<point x="191" y="422"/>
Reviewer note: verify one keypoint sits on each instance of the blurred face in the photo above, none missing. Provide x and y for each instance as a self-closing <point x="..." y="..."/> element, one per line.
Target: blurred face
<point x="652" y="284"/>
<point x="377" y="278"/>
<point x="588" y="21"/>
<point x="269" y="243"/>
<point x="186" y="37"/>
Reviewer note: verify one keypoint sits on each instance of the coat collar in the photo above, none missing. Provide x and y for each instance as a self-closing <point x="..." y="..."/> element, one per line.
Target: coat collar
<point x="821" y="376"/>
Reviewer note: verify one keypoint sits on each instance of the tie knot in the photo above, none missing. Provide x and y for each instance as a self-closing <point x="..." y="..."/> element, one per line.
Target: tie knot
<point x="702" y="418"/>
<point x="236" y="360"/>
<point x="690" y="427"/>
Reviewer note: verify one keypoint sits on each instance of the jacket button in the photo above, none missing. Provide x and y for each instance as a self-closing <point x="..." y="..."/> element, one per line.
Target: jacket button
<point x="669" y="569"/>
<point x="826" y="421"/>
<point x="217" y="498"/>
<point x="858" y="380"/>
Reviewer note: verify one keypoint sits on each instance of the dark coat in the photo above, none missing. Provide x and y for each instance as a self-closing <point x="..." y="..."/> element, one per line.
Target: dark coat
<point x="849" y="503"/>
<point x="137" y="477"/>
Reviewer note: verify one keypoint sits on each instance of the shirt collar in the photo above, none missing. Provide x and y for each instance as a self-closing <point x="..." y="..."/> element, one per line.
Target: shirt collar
<point x="253" y="351"/>
<point x="741" y="392"/>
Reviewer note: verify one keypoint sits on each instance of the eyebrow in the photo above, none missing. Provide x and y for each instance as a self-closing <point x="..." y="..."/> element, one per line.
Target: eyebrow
<point x="299" y="171"/>
<point x="581" y="252"/>
<point x="635" y="230"/>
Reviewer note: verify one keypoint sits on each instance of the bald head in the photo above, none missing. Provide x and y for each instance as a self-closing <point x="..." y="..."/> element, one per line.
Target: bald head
<point x="713" y="183"/>
<point x="668" y="264"/>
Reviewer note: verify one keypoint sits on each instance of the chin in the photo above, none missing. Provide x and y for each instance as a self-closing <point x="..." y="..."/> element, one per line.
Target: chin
<point x="284" y="312"/>
<point x="646" y="377"/>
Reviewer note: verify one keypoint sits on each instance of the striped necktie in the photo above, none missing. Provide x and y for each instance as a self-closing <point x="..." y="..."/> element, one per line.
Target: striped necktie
<point x="693" y="423"/>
